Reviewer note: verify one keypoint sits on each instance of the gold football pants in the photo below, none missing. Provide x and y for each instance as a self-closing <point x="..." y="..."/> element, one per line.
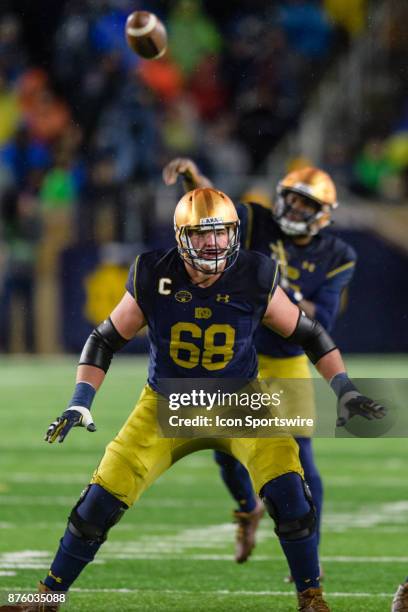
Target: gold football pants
<point x="138" y="455"/>
<point x="285" y="367"/>
<point x="299" y="396"/>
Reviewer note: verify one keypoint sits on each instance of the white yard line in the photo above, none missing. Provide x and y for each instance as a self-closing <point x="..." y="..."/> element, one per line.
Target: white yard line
<point x="210" y="557"/>
<point x="226" y="592"/>
<point x="27" y="478"/>
<point x="43" y="500"/>
<point x="31" y="559"/>
<point x="206" y="593"/>
<point x="83" y="479"/>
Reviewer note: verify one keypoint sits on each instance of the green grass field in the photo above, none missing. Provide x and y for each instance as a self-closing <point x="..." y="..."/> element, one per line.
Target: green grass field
<point x="173" y="550"/>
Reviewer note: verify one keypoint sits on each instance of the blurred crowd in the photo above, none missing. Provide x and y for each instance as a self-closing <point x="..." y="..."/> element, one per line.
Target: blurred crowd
<point x="380" y="164"/>
<point x="85" y="124"/>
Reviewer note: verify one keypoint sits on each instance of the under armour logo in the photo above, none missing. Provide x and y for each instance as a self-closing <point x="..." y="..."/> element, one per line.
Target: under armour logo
<point x="222" y="298"/>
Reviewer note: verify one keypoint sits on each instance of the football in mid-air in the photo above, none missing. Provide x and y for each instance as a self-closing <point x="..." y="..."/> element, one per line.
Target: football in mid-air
<point x="146" y="34"/>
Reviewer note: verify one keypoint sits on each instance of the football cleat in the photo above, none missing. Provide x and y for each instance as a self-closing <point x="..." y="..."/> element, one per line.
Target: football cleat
<point x="400" y="601"/>
<point x="317" y="193"/>
<point x="35" y="606"/>
<point x="207" y="211"/>
<point x="247" y="524"/>
<point x="312" y="600"/>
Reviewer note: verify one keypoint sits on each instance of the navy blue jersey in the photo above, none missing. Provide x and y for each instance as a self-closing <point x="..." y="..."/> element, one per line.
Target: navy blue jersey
<point x="200" y="332"/>
<point x="319" y="270"/>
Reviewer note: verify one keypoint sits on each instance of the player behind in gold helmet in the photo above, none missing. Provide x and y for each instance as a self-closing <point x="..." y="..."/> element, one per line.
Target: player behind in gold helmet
<point x="306" y="199"/>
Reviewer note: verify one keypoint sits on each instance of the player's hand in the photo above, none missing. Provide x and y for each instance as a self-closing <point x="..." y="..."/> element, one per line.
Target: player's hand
<point x="352" y="403"/>
<point x="75" y="416"/>
<point x="181" y="166"/>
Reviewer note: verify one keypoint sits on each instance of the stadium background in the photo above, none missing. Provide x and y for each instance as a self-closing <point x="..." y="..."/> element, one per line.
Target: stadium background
<point x="250" y="89"/>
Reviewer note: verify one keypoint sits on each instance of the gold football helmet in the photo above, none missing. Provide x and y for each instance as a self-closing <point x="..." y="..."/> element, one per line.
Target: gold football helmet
<point x="318" y="194"/>
<point x="207" y="212"/>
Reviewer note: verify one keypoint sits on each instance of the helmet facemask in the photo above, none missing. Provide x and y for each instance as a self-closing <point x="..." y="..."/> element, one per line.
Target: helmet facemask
<point x="297" y="222"/>
<point x="213" y="257"/>
<point x="306" y="199"/>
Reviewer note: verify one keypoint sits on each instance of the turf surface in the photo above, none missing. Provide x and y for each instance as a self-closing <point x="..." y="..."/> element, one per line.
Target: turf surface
<point x="173" y="550"/>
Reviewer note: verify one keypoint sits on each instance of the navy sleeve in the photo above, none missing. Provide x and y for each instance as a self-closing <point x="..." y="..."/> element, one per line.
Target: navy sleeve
<point x="242" y="210"/>
<point x="268" y="277"/>
<point x="131" y="279"/>
<point x="275" y="281"/>
<point x="327" y="298"/>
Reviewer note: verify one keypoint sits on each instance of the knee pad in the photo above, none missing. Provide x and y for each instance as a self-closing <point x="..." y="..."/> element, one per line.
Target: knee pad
<point x="94" y="514"/>
<point x="292" y="529"/>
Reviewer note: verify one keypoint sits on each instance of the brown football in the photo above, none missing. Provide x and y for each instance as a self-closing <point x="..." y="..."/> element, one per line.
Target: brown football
<point x="146" y="34"/>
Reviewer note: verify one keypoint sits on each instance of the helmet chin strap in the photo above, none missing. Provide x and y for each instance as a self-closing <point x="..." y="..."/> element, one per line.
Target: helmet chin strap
<point x="208" y="265"/>
<point x="308" y="227"/>
<point x="293" y="228"/>
<point x="202" y="265"/>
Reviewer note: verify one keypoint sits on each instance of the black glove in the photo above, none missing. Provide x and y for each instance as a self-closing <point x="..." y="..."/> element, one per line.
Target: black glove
<point x="352" y="403"/>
